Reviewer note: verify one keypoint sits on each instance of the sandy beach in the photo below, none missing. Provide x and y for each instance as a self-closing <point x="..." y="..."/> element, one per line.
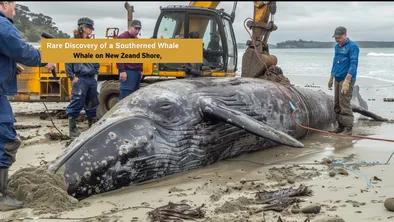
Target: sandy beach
<point x="227" y="190"/>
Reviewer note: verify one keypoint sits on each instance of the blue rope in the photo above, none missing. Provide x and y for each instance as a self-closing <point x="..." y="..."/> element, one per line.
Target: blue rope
<point x="362" y="174"/>
<point x="341" y="163"/>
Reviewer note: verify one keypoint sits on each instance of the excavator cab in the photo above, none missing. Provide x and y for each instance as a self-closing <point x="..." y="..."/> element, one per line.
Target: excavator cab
<point x="212" y="25"/>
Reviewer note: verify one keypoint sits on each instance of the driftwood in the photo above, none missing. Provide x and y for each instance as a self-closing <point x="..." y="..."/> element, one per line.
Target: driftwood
<point x="21" y="127"/>
<point x="279" y="200"/>
<point x="56" y="136"/>
<point x="176" y="212"/>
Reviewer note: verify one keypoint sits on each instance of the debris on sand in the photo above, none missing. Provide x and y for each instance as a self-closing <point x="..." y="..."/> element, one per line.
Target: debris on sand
<point x="287" y="173"/>
<point x="269" y="196"/>
<point x="56" y="136"/>
<point x="176" y="212"/>
<point x="276" y="201"/>
<point x="279" y="200"/>
<point x="41" y="191"/>
<point x="21" y="127"/>
<point x="240" y="204"/>
<point x="375" y="178"/>
<point x="59" y="114"/>
<point x="23" y="138"/>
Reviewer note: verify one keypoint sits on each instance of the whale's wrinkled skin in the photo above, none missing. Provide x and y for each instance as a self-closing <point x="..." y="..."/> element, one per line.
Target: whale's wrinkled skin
<point x="180" y="125"/>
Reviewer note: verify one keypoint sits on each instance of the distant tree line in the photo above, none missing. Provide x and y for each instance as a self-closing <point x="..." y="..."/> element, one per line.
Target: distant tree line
<point x="244" y="46"/>
<point x="31" y="24"/>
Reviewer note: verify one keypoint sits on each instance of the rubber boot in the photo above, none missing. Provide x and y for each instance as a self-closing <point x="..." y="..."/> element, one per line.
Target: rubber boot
<point x="6" y="202"/>
<point x="339" y="129"/>
<point x="91" y="122"/>
<point x="73" y="130"/>
<point x="347" y="131"/>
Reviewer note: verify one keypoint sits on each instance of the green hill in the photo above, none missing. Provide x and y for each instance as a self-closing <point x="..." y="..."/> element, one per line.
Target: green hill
<point x="299" y="44"/>
<point x="31" y="24"/>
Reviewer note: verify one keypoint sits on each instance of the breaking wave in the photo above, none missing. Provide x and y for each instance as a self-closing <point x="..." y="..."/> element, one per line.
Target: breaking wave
<point x="380" y="54"/>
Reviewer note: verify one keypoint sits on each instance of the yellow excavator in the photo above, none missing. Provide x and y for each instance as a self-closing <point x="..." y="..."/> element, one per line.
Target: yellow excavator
<point x="199" y="19"/>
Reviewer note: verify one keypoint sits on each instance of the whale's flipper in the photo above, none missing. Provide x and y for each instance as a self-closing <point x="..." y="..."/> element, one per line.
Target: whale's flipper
<point x="213" y="109"/>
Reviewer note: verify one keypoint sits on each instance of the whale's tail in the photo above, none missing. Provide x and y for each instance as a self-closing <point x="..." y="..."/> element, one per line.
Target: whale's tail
<point x="359" y="105"/>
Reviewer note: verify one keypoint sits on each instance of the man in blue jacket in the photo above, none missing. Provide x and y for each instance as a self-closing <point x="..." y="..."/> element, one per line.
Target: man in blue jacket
<point x="344" y="70"/>
<point x="13" y="49"/>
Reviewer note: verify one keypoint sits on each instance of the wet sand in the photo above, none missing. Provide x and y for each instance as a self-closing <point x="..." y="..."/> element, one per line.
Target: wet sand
<point x="228" y="188"/>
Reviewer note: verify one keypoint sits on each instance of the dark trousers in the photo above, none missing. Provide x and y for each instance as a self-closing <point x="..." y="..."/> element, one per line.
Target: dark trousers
<point x="342" y="106"/>
<point x="9" y="143"/>
<point x="84" y="95"/>
<point x="132" y="83"/>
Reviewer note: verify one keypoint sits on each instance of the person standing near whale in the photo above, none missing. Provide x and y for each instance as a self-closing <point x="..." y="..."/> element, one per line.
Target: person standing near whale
<point x="344" y="70"/>
<point x="13" y="50"/>
<point x="83" y="77"/>
<point x="130" y="74"/>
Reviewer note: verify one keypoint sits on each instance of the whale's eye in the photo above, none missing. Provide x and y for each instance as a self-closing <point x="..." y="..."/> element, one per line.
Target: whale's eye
<point x="166" y="106"/>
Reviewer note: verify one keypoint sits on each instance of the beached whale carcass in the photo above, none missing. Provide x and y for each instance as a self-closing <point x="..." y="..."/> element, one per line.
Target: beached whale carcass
<point x="181" y="125"/>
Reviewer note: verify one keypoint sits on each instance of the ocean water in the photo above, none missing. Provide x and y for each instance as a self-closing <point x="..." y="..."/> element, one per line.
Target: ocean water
<point x="377" y="63"/>
<point x="313" y="66"/>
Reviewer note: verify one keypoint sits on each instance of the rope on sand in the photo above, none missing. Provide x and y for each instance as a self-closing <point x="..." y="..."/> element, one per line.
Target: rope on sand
<point x="359" y="173"/>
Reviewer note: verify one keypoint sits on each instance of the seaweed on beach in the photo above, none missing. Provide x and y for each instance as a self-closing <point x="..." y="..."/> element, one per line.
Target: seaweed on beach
<point x="176" y="212"/>
<point x="278" y="200"/>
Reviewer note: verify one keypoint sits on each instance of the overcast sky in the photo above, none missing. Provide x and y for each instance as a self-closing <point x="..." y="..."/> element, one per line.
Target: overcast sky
<point x="295" y="20"/>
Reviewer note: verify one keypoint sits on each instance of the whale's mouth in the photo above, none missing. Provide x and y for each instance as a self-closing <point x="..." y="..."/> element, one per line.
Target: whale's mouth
<point x="92" y="134"/>
<point x="94" y="155"/>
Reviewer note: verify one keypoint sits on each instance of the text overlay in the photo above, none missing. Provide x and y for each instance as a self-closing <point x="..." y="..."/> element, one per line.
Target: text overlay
<point x="122" y="50"/>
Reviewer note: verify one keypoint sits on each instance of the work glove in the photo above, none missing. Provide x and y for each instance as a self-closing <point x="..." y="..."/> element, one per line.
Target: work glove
<point x="19" y="69"/>
<point x="331" y="81"/>
<point x="345" y="86"/>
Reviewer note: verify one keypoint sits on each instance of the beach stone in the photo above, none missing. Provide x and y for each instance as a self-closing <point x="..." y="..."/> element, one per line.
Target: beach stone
<point x="343" y="172"/>
<point x="330" y="219"/>
<point x="331" y="173"/>
<point x="389" y="204"/>
<point x="290" y="180"/>
<point x="311" y="209"/>
<point x="283" y="183"/>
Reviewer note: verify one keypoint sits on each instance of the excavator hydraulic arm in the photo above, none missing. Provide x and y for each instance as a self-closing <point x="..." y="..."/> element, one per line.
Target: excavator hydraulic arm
<point x="256" y="59"/>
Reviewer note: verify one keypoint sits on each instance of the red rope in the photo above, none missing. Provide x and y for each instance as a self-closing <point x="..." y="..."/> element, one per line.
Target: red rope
<point x="335" y="134"/>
